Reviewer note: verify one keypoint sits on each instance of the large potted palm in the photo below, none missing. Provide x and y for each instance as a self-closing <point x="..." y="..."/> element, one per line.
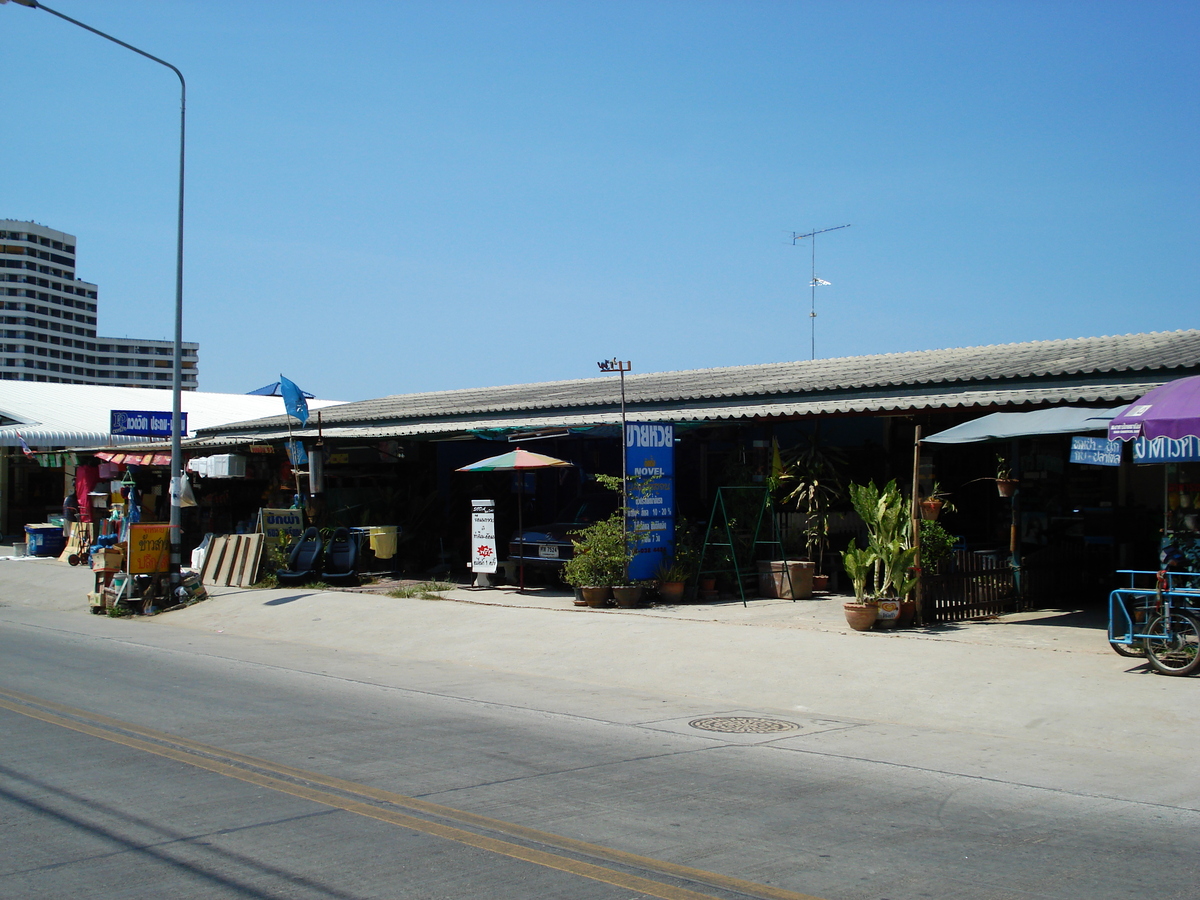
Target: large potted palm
<point x="811" y="483"/>
<point x="885" y="565"/>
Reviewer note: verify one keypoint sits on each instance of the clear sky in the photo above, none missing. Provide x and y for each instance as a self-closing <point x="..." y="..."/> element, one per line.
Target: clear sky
<point x="386" y="197"/>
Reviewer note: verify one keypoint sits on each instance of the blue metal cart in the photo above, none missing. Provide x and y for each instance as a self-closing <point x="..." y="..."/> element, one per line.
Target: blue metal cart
<point x="1157" y="616"/>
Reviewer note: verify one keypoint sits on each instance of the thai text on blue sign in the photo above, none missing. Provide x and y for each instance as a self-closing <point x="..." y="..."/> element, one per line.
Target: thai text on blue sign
<point x="1165" y="449"/>
<point x="650" y="516"/>
<point x="1095" y="451"/>
<point x="140" y="423"/>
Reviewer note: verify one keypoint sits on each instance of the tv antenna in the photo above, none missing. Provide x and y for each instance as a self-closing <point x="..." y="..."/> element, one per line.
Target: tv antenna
<point x="814" y="283"/>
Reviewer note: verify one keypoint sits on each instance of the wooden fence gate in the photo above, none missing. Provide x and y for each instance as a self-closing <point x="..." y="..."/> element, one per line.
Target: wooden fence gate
<point x="981" y="585"/>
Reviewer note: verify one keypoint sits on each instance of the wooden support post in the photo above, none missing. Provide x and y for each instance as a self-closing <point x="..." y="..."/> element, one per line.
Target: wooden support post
<point x="915" y="512"/>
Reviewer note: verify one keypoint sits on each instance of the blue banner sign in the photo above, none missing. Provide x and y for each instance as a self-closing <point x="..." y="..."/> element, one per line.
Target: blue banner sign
<point x="650" y="464"/>
<point x="139" y="423"/>
<point x="1095" y="451"/>
<point x="1165" y="449"/>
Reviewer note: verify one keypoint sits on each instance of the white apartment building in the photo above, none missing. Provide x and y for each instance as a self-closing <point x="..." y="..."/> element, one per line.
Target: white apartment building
<point x="48" y="321"/>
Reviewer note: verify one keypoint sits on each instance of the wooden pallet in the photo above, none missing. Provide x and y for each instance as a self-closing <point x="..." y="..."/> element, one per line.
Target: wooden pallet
<point x="232" y="560"/>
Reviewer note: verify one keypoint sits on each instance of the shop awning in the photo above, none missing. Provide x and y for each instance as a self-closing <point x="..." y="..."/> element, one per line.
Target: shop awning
<point x="135" y="459"/>
<point x="1169" y="411"/>
<point x="1005" y="426"/>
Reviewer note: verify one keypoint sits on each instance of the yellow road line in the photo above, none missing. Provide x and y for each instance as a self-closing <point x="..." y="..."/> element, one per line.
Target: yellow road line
<point x="187" y="751"/>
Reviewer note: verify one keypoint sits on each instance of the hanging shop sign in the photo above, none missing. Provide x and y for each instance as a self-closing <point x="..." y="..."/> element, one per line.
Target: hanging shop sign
<point x="1095" y="451"/>
<point x="650" y="517"/>
<point x="141" y="423"/>
<point x="483" y="535"/>
<point x="149" y="549"/>
<point x="1165" y="449"/>
<point x="281" y="526"/>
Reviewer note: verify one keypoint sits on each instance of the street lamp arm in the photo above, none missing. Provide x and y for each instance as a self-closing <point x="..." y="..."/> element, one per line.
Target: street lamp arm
<point x="176" y="474"/>
<point x="34" y="4"/>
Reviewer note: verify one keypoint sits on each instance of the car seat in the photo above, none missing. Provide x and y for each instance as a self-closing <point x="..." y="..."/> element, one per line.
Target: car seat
<point x="304" y="561"/>
<point x="341" y="558"/>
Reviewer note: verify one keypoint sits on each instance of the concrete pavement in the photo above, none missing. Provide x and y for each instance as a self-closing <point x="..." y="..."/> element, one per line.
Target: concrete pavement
<point x="1036" y="698"/>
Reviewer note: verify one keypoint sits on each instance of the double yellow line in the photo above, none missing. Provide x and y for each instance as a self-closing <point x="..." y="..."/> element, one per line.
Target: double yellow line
<point x="366" y="801"/>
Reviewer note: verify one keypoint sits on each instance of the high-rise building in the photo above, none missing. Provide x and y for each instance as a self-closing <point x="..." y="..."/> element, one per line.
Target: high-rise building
<point x="48" y="321"/>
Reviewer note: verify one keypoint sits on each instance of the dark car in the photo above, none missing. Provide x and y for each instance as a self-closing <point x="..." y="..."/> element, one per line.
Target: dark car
<point x="549" y="546"/>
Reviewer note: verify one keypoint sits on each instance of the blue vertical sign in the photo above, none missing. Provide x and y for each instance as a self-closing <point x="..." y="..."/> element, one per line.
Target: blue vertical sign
<point x="650" y="464"/>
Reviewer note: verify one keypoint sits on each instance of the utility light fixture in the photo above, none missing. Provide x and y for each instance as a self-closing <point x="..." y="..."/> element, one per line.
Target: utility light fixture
<point x="176" y="474"/>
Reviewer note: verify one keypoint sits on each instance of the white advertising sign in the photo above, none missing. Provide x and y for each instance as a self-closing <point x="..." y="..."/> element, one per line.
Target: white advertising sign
<point x="483" y="535"/>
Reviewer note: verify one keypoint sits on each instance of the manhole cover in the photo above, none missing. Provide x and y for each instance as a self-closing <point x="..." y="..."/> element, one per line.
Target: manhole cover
<point x="743" y="725"/>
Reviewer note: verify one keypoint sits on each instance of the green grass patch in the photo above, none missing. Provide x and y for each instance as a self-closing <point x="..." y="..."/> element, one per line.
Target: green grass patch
<point x="426" y="590"/>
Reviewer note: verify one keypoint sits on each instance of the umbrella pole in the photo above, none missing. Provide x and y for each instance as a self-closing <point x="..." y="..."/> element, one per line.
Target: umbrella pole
<point x="521" y="526"/>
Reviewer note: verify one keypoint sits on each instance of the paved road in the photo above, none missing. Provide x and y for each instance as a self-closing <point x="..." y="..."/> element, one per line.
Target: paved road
<point x="325" y="745"/>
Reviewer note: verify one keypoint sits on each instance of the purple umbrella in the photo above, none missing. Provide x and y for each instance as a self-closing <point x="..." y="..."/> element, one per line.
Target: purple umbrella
<point x="1171" y="410"/>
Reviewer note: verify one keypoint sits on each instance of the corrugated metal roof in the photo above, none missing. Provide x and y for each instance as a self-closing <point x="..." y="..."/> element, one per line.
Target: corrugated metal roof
<point x="77" y="415"/>
<point x="1101" y="369"/>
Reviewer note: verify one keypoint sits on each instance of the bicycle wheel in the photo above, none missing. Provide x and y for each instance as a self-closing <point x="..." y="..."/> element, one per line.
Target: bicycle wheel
<point x="1136" y="651"/>
<point x="1176" y="652"/>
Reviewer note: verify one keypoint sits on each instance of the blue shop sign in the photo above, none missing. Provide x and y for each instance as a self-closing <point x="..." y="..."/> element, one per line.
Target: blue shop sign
<point x="141" y="423"/>
<point x="1095" y="451"/>
<point x="1165" y="449"/>
<point x="650" y="463"/>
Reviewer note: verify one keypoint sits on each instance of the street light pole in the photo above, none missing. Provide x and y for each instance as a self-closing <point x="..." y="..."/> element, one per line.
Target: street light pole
<point x="176" y="480"/>
<point x="615" y="365"/>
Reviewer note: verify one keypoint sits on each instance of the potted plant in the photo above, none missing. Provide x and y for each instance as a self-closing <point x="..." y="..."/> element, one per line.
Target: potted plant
<point x="937" y="548"/>
<point x="934" y="503"/>
<point x="860" y="614"/>
<point x="813" y="484"/>
<point x="600" y="559"/>
<point x="672" y="580"/>
<point x="1006" y="485"/>
<point x="628" y="596"/>
<point x="675" y="571"/>
<point x="890" y="554"/>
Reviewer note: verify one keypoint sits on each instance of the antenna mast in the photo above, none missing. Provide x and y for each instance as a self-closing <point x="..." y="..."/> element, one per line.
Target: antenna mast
<point x="812" y="314"/>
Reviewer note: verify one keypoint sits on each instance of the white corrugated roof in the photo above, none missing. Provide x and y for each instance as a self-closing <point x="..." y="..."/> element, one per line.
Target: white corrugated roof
<point x="857" y="403"/>
<point x="1046" y="371"/>
<point x="77" y="415"/>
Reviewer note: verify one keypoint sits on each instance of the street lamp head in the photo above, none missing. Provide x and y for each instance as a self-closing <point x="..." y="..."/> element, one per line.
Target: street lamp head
<point x="32" y="4"/>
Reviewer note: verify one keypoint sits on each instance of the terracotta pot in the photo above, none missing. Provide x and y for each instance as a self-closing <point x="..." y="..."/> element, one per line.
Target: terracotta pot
<point x="860" y="616"/>
<point x="1006" y="486"/>
<point x="627" y="595"/>
<point x="908" y="613"/>
<point x="820" y="582"/>
<point x="672" y="591"/>
<point x="708" y="589"/>
<point x="931" y="509"/>
<point x="596" y="596"/>
<point x="579" y="601"/>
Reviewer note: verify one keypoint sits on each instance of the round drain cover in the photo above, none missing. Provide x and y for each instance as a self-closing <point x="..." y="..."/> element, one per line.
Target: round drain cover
<point x="743" y="725"/>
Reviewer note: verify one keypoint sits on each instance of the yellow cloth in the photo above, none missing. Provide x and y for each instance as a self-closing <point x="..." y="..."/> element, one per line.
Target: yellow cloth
<point x="383" y="541"/>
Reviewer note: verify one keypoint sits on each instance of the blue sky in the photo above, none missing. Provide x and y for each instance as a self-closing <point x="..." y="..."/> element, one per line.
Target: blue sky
<point x="386" y="197"/>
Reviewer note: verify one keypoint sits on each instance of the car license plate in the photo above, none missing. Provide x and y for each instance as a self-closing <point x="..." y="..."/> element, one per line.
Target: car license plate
<point x="548" y="551"/>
